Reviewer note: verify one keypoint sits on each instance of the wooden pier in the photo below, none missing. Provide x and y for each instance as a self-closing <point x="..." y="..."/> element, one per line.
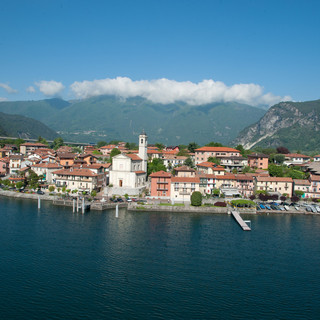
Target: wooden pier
<point x="242" y="224"/>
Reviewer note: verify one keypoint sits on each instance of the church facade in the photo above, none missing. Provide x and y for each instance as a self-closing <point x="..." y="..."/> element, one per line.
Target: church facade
<point x="129" y="171"/>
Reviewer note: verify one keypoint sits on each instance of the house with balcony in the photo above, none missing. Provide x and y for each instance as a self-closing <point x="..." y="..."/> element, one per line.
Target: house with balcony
<point x="184" y="171"/>
<point x="303" y="186"/>
<point x="283" y="185"/>
<point x="15" y="161"/>
<point x="203" y="154"/>
<point x="45" y="169"/>
<point x="78" y="179"/>
<point x="231" y="163"/>
<point x="314" y="190"/>
<point x="258" y="161"/>
<point x="292" y="159"/>
<point x="30" y="147"/>
<point x="244" y="184"/>
<point x="171" y="160"/>
<point x="4" y="166"/>
<point x="210" y="168"/>
<point x="160" y="185"/>
<point x="183" y="187"/>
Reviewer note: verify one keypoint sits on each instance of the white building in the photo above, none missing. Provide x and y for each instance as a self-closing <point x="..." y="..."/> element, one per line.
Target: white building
<point x="129" y="171"/>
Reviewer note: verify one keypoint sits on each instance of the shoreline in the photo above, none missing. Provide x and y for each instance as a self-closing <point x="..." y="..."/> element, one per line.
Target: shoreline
<point x="133" y="206"/>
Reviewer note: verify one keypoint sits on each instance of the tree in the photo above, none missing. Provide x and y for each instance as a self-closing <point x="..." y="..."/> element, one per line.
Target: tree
<point x="283" y="198"/>
<point x="93" y="193"/>
<point x="57" y="143"/>
<point x="114" y="152"/>
<point x="275" y="171"/>
<point x="132" y="146"/>
<point x="283" y="150"/>
<point x="188" y="162"/>
<point x="19" y="184"/>
<point x="160" y="146"/>
<point x="101" y="144"/>
<point x="51" y="188"/>
<point x="156" y="165"/>
<point x="196" y="199"/>
<point x="214" y="160"/>
<point x="192" y="146"/>
<point x="183" y="152"/>
<point x="299" y="193"/>
<point x="42" y="140"/>
<point x="214" y="144"/>
<point x="76" y="150"/>
<point x="33" y="179"/>
<point x="278" y="158"/>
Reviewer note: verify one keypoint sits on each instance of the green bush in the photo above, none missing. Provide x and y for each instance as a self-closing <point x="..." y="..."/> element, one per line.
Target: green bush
<point x="196" y="199"/>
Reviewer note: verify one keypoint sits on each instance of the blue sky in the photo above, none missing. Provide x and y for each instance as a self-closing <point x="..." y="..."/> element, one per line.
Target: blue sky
<point x="250" y="51"/>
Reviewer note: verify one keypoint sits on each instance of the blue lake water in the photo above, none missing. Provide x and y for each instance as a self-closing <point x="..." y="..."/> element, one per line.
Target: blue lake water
<point x="59" y="265"/>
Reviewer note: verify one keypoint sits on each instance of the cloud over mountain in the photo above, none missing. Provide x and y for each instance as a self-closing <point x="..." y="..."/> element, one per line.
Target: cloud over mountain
<point x="50" y="88"/>
<point x="169" y="91"/>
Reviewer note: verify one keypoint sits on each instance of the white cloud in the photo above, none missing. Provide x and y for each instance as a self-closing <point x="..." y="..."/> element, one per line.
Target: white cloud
<point x="8" y="88"/>
<point x="3" y="99"/>
<point x="31" y="89"/>
<point x="50" y="88"/>
<point x="169" y="91"/>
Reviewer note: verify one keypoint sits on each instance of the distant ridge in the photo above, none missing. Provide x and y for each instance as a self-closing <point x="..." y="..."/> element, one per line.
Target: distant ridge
<point x="110" y="117"/>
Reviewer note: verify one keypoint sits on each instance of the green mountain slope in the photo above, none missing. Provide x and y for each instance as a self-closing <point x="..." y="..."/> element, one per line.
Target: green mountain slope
<point x="23" y="127"/>
<point x="110" y="117"/>
<point x="294" y="125"/>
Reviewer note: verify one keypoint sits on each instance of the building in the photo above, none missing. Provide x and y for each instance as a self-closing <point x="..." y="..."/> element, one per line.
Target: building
<point x="231" y="163"/>
<point x="303" y="186"/>
<point x="160" y="185"/>
<point x="15" y="163"/>
<point x="245" y="184"/>
<point x="78" y="179"/>
<point x="45" y="169"/>
<point x="202" y="154"/>
<point x="295" y="159"/>
<point x="274" y="184"/>
<point x="183" y="187"/>
<point x="210" y="168"/>
<point x="30" y="147"/>
<point x="258" y="161"/>
<point x="129" y="171"/>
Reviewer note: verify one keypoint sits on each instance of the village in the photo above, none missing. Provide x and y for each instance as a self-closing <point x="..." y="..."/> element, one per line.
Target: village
<point x="113" y="171"/>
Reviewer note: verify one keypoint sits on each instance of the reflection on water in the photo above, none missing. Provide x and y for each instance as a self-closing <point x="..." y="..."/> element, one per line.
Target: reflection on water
<point x="56" y="264"/>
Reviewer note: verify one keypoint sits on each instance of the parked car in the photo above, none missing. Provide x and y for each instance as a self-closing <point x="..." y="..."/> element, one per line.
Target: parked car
<point x="40" y="192"/>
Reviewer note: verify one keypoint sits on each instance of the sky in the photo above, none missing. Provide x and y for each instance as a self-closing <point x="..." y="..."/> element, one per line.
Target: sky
<point x="197" y="51"/>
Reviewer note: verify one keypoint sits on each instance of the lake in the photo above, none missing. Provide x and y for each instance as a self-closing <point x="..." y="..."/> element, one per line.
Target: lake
<point x="56" y="264"/>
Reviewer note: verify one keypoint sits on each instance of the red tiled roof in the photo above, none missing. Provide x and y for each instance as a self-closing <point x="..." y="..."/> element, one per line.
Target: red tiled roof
<point x="226" y="177"/>
<point x="216" y="149"/>
<point x="76" y="172"/>
<point x="184" y="168"/>
<point x="133" y="156"/>
<point x="274" y="179"/>
<point x="314" y="177"/>
<point x="160" y="174"/>
<point x="33" y="144"/>
<point x="139" y="172"/>
<point x="186" y="179"/>
<point x="301" y="182"/>
<point x="243" y="177"/>
<point x="46" y="165"/>
<point x="296" y="155"/>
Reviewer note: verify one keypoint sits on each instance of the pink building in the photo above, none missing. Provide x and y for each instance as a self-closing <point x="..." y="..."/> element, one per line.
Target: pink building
<point x="202" y="154"/>
<point x="258" y="161"/>
<point x="160" y="184"/>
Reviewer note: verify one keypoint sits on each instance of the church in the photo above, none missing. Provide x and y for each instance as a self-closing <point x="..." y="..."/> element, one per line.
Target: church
<point x="129" y="171"/>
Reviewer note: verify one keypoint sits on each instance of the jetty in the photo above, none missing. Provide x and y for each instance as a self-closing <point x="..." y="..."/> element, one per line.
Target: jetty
<point x="242" y="224"/>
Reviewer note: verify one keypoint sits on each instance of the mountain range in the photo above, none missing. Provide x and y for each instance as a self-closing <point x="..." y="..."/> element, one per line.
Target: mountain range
<point x="112" y="118"/>
<point x="295" y="125"/>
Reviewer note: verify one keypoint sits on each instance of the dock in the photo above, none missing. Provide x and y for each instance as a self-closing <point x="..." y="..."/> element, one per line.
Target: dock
<point x="242" y="224"/>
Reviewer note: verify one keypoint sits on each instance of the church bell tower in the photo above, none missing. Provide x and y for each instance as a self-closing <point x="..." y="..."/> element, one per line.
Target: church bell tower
<point x="143" y="145"/>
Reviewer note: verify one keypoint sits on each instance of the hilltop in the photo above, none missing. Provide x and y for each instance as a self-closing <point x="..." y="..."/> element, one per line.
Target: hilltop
<point x="295" y="125"/>
<point x="24" y="127"/>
